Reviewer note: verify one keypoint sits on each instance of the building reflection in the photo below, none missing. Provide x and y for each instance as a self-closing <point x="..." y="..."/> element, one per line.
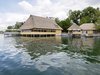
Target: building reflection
<point x="89" y="48"/>
<point x="37" y="46"/>
<point x="80" y="43"/>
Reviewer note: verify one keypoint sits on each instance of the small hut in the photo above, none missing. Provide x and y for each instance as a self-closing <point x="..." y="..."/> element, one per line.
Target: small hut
<point x="40" y="26"/>
<point x="88" y="29"/>
<point x="74" y="29"/>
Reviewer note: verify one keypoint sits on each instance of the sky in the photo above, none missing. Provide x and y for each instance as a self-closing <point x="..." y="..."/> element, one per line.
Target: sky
<point x="12" y="11"/>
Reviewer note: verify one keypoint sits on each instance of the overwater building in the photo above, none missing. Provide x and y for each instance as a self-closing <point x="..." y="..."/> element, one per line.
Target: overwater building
<point x="40" y="26"/>
<point x="87" y="29"/>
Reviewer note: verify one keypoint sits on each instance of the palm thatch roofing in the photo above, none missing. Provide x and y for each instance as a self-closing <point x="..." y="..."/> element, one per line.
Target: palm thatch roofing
<point x="74" y="27"/>
<point x="88" y="26"/>
<point x="40" y="22"/>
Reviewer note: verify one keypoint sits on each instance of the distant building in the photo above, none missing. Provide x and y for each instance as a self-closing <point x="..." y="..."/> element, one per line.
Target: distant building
<point x="87" y="29"/>
<point x="74" y="29"/>
<point x="39" y="26"/>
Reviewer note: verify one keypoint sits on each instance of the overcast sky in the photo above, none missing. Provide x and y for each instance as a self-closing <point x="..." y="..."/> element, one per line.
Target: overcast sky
<point x="12" y="11"/>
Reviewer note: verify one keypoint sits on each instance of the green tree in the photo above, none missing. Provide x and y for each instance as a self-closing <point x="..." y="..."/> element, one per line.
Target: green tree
<point x="65" y="24"/>
<point x="57" y="20"/>
<point x="18" y="25"/>
<point x="75" y="16"/>
<point x="87" y="15"/>
<point x="97" y="23"/>
<point x="90" y="14"/>
<point x="85" y="19"/>
<point x="10" y="27"/>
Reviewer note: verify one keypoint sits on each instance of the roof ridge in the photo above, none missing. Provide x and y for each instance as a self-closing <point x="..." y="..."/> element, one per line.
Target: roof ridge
<point x="74" y="26"/>
<point x="33" y="22"/>
<point x="38" y="16"/>
<point x="40" y="22"/>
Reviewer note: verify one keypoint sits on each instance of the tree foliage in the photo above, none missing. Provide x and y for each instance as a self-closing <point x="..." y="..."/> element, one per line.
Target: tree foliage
<point x="64" y="24"/>
<point x="98" y="20"/>
<point x="16" y="26"/>
<point x="75" y="16"/>
<point x="87" y="15"/>
<point x="91" y="13"/>
<point x="10" y="27"/>
<point x="85" y="19"/>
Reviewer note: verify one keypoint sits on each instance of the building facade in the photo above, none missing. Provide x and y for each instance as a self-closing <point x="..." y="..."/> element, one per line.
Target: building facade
<point x="74" y="30"/>
<point x="40" y="26"/>
<point x="87" y="29"/>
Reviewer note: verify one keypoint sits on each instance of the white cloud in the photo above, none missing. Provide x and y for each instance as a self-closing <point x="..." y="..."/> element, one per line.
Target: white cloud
<point x="7" y="19"/>
<point x="51" y="8"/>
<point x="57" y="8"/>
<point x="93" y="2"/>
<point x="26" y="5"/>
<point x="44" y="8"/>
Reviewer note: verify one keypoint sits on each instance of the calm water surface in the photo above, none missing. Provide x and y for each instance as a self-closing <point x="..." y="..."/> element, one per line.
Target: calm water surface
<point x="49" y="56"/>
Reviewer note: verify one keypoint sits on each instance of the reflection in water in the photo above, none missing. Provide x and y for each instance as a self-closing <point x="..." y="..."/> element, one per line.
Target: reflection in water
<point x="62" y="64"/>
<point x="57" y="60"/>
<point x="49" y="56"/>
<point x="88" y="47"/>
<point x="40" y="46"/>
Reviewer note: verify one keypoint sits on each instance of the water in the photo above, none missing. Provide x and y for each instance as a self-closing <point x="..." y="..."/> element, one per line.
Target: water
<point x="49" y="56"/>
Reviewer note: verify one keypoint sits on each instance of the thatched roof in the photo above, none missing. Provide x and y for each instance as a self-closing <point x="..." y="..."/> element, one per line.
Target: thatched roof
<point x="88" y="26"/>
<point x="40" y="22"/>
<point x="74" y="27"/>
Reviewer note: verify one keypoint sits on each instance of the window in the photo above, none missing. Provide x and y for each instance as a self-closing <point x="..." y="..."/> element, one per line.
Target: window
<point x="43" y="30"/>
<point x="26" y="30"/>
